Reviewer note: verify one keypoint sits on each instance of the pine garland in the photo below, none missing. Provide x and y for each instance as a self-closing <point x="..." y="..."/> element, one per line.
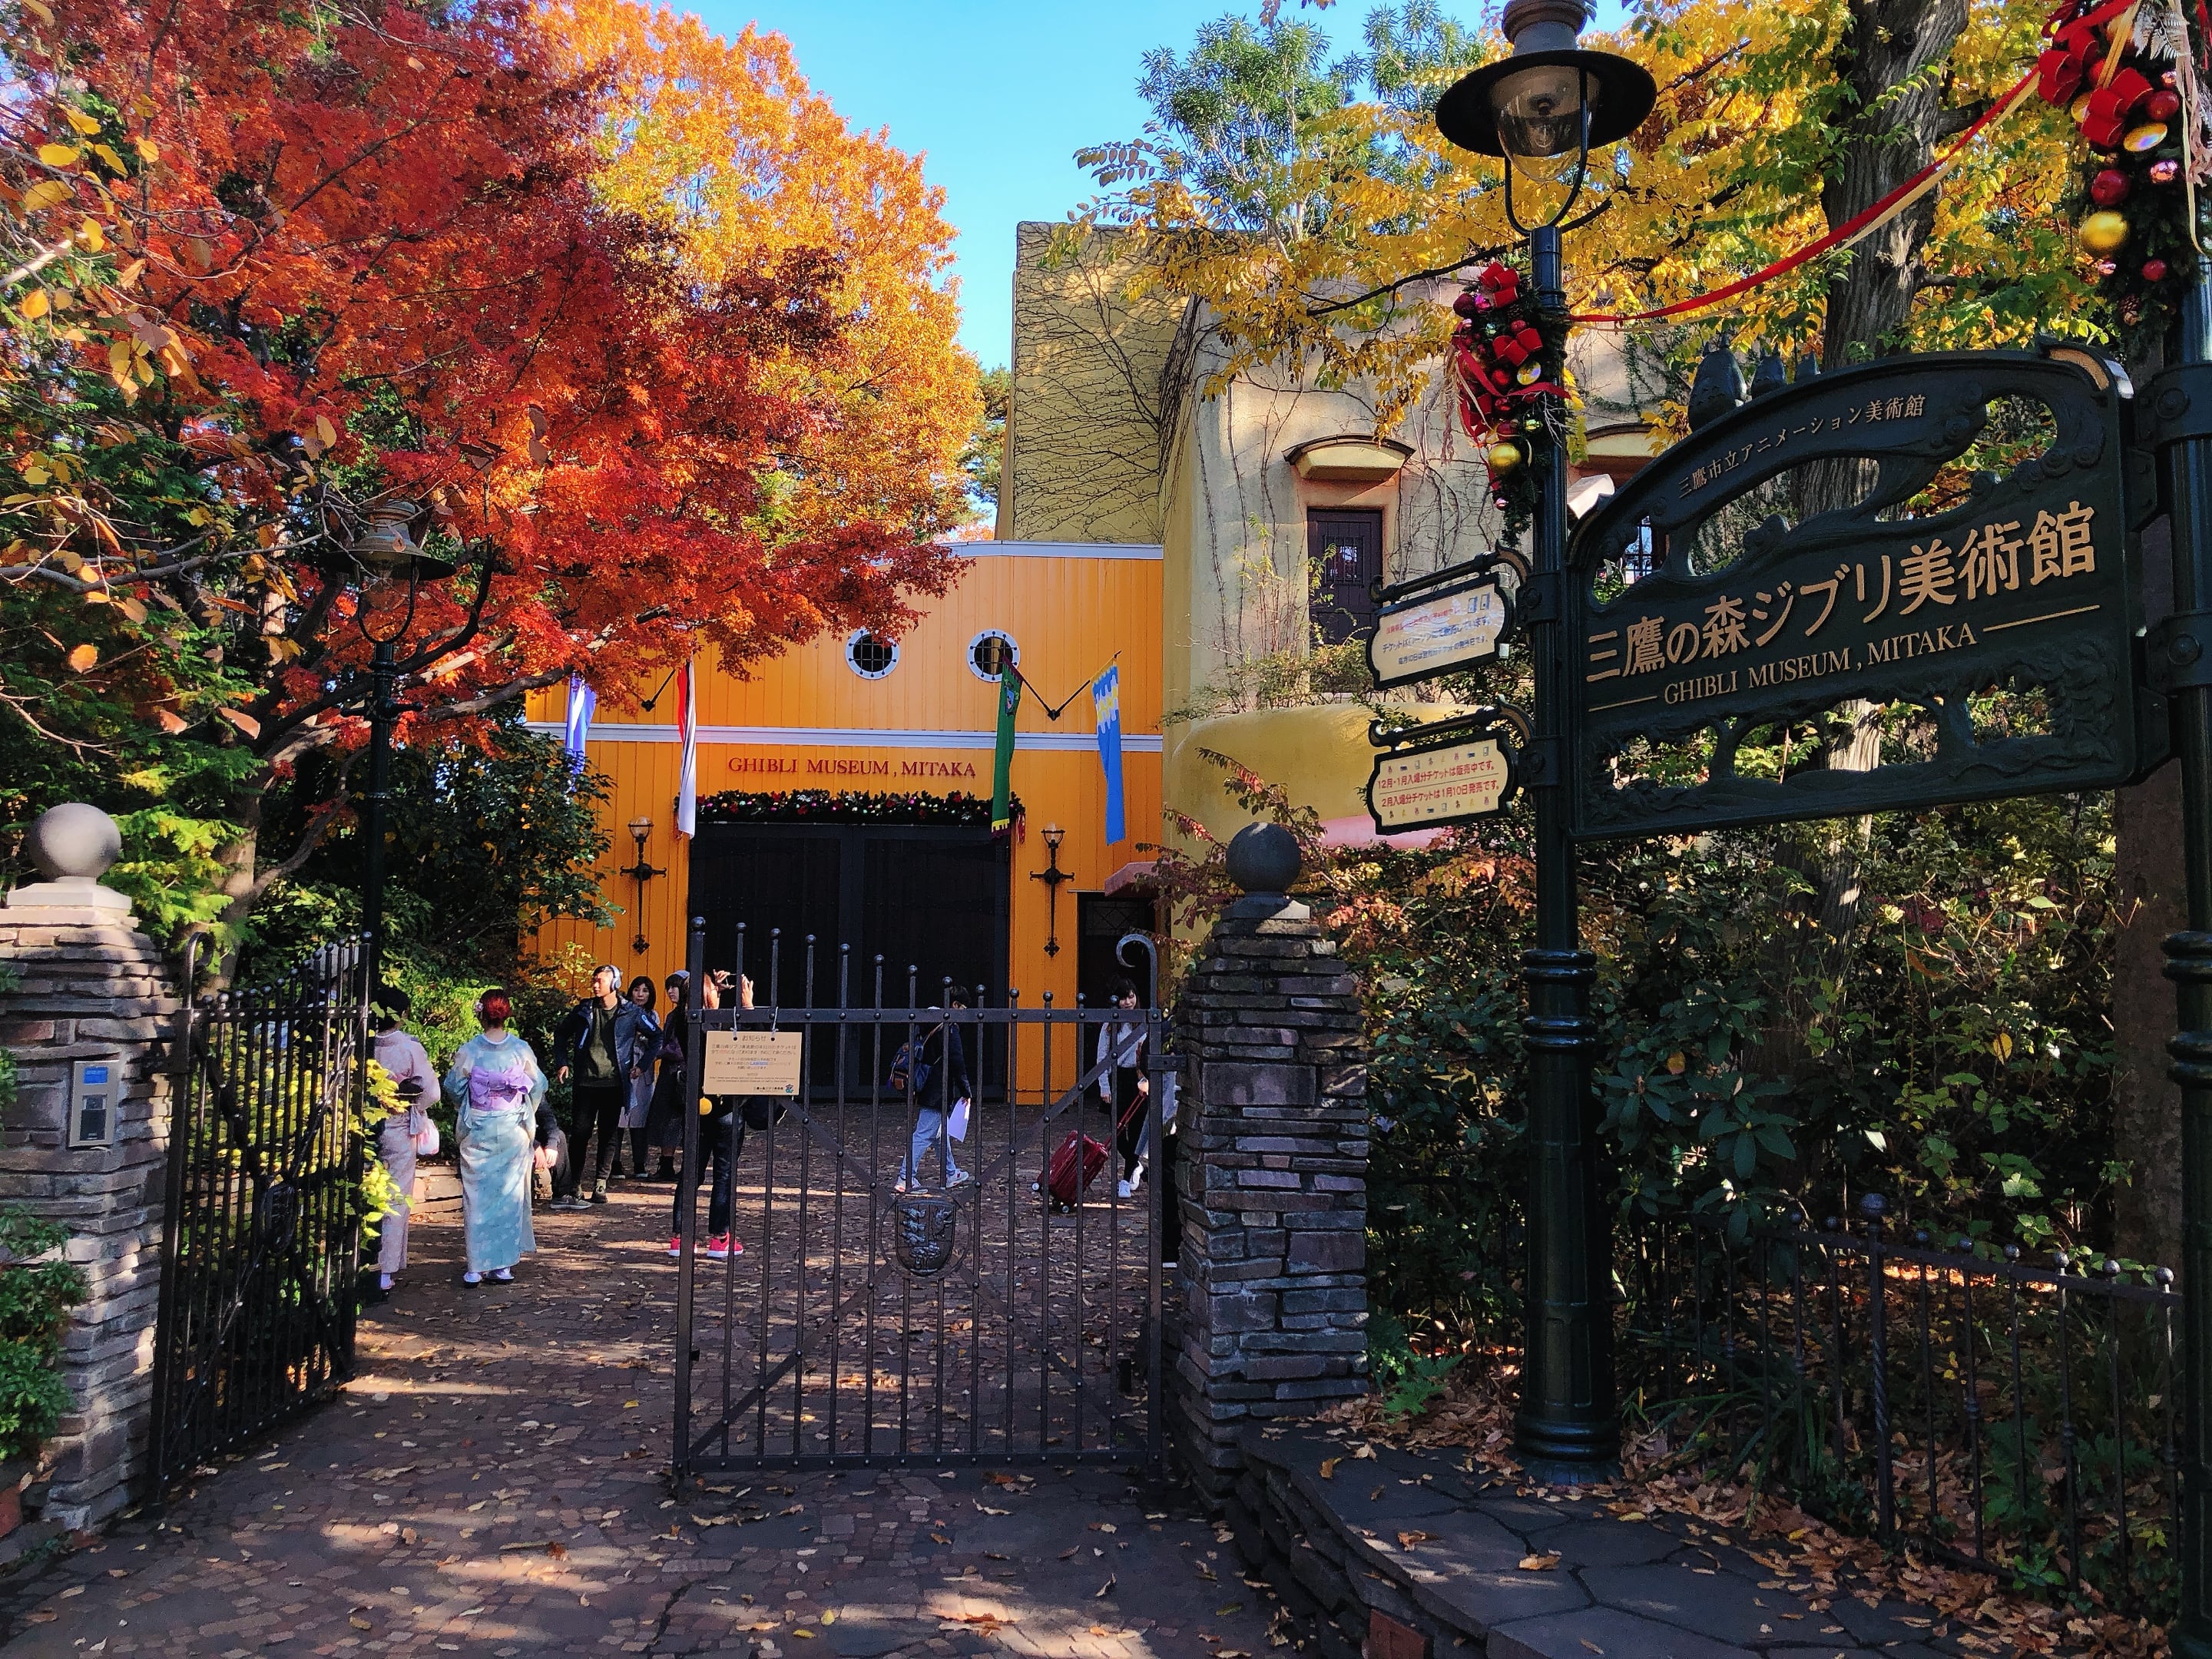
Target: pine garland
<point x="847" y="807"/>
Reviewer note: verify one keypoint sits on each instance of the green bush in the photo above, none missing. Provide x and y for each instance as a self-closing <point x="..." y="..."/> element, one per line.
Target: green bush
<point x="37" y="1290"/>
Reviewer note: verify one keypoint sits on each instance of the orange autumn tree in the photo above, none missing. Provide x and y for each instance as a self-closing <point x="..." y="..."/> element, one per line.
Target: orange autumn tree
<point x="278" y="268"/>
<point x="723" y="143"/>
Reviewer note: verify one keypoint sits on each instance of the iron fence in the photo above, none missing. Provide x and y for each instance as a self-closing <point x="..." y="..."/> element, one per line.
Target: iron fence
<point x="859" y="1311"/>
<point x="261" y="1239"/>
<point x="2009" y="1414"/>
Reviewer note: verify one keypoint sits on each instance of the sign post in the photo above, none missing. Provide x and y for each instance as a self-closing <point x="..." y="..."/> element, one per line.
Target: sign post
<point x="2181" y="401"/>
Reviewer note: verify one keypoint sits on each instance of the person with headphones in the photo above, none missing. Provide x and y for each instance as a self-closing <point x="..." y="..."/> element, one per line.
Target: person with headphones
<point x="495" y="1083"/>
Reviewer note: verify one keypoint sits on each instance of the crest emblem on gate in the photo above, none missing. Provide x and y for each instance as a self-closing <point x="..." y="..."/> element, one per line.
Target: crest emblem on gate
<point x="926" y="1227"/>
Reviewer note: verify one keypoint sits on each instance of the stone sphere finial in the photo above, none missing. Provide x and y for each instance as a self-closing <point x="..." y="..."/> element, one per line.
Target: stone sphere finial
<point x="74" y="841"/>
<point x="1263" y="858"/>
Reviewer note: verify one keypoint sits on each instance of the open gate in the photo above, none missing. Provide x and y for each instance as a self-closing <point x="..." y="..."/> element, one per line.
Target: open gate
<point x="260" y="1246"/>
<point x="978" y="1323"/>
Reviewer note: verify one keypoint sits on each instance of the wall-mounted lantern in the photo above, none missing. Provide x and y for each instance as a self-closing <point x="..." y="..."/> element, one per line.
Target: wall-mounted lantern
<point x="1052" y="876"/>
<point x="640" y="874"/>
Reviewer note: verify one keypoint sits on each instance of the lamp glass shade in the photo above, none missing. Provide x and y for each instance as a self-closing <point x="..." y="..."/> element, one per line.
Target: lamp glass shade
<point x="640" y="828"/>
<point x="1540" y="112"/>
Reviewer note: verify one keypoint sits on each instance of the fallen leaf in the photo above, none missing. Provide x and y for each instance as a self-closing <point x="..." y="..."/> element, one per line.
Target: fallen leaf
<point x="1540" y="1563"/>
<point x="988" y="1510"/>
<point x="1102" y="1526"/>
<point x="1065" y="1553"/>
<point x="358" y="1622"/>
<point x="1407" y="1540"/>
<point x="808" y="1634"/>
<point x="1106" y="1588"/>
<point x="1328" y="1467"/>
<point x="1227" y="1607"/>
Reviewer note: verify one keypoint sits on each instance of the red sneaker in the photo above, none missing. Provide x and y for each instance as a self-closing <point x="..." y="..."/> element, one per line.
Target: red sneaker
<point x="675" y="1246"/>
<point x="722" y="1247"/>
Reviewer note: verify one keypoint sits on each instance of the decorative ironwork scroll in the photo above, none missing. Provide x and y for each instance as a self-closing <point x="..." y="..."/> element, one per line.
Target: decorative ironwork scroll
<point x="1765" y="606"/>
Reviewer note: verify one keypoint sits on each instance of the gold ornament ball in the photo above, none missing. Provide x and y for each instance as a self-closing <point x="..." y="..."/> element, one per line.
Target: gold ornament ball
<point x="2103" y="232"/>
<point x="1503" y="458"/>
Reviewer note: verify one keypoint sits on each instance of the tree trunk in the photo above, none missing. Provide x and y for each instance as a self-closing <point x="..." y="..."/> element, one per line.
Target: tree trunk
<point x="1889" y="135"/>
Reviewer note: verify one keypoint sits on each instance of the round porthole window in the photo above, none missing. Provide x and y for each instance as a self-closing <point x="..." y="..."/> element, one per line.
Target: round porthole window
<point x="871" y="655"/>
<point x="990" y="653"/>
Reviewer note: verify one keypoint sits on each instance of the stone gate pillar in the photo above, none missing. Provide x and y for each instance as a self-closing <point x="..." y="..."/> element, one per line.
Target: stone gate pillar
<point x="1272" y="1170"/>
<point x="91" y="990"/>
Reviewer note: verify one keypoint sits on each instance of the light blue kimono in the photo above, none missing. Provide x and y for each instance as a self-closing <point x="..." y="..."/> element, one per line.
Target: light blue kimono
<point x="496" y="1085"/>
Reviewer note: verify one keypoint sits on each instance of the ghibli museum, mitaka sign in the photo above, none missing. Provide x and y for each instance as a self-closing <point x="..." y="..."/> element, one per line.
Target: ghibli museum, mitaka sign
<point x="1448" y="620"/>
<point x="1824" y="548"/>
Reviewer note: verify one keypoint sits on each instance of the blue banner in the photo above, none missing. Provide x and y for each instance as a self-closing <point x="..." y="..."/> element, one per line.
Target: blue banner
<point x="583" y="703"/>
<point x="1106" y="704"/>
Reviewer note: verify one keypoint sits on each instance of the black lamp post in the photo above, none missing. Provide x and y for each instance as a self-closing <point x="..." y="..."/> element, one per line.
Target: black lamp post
<point x="385" y="554"/>
<point x="640" y="874"/>
<point x="1052" y="876"/>
<point x="1544" y="109"/>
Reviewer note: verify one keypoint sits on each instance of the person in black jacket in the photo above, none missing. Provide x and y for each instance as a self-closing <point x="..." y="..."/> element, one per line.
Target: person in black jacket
<point x="939" y="1083"/>
<point x="601" y="1048"/>
<point x="721" y="1137"/>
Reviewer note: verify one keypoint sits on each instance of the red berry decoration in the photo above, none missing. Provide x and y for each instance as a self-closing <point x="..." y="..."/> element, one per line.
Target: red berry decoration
<point x="2162" y="105"/>
<point x="2154" y="270"/>
<point x="2108" y="187"/>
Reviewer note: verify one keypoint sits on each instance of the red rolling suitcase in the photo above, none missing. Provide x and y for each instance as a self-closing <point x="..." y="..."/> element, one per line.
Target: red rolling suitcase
<point x="1062" y="1180"/>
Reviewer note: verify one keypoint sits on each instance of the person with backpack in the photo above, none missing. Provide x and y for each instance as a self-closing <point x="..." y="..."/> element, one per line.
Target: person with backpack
<point x="935" y="1074"/>
<point x="600" y="1044"/>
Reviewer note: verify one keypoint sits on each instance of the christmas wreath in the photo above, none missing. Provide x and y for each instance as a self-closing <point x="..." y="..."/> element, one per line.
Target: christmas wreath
<point x="849" y="806"/>
<point x="2128" y="72"/>
<point x="1509" y="365"/>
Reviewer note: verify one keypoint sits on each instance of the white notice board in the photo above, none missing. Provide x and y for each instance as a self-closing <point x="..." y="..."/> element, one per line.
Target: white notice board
<point x="752" y="1062"/>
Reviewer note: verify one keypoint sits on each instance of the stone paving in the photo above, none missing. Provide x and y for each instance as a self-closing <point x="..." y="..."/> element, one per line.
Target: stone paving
<point x="496" y="1482"/>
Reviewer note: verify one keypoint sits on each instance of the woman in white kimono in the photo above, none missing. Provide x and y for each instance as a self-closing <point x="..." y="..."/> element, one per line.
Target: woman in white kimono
<point x="496" y="1082"/>
<point x="406" y="1063"/>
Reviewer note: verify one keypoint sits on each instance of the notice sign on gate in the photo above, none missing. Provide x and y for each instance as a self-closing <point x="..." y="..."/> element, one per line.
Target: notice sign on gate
<point x="753" y="1063"/>
<point x="1440" y="775"/>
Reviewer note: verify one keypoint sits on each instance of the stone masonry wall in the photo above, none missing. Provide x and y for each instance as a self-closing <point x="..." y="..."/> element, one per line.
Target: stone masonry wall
<point x="1272" y="1180"/>
<point x="88" y="991"/>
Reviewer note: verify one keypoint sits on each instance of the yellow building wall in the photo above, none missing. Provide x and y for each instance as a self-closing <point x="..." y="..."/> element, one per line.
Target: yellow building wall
<point x="806" y="720"/>
<point x="1091" y="396"/>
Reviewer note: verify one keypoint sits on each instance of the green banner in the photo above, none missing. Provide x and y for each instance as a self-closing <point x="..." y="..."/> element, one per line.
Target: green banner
<point x="1002" y="763"/>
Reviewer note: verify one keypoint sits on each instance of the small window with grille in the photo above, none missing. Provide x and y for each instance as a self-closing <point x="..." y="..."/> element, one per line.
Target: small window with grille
<point x="991" y="652"/>
<point x="1346" y="546"/>
<point x="871" y="655"/>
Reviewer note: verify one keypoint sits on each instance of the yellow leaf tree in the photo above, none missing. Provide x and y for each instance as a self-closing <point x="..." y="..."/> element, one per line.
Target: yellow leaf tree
<point x="725" y="142"/>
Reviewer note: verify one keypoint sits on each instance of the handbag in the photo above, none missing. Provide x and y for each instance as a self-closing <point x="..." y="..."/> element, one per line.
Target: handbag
<point x="426" y="1141"/>
<point x="956" y="1125"/>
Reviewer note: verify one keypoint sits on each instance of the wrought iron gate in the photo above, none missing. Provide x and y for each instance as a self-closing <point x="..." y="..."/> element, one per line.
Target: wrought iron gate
<point x="982" y="1323"/>
<point x="260" y="1248"/>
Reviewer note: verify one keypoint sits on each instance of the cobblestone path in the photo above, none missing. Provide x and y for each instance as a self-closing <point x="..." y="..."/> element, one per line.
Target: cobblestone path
<point x="494" y="1482"/>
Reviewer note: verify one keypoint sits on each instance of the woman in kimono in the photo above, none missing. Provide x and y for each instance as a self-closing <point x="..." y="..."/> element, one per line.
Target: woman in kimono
<point x="415" y="1079"/>
<point x="495" y="1083"/>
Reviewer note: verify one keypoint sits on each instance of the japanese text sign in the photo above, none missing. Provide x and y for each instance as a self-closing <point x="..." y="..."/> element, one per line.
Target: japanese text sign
<point x="1450" y="773"/>
<point x="1909" y="595"/>
<point x="1450" y="620"/>
<point x="752" y="1063"/>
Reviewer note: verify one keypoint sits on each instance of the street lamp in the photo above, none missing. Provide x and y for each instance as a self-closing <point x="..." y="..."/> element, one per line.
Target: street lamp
<point x="1544" y="109"/>
<point x="384" y="553"/>
<point x="1052" y="876"/>
<point x="641" y="873"/>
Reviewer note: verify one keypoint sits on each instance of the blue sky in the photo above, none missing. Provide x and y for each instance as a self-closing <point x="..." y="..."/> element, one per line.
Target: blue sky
<point x="998" y="94"/>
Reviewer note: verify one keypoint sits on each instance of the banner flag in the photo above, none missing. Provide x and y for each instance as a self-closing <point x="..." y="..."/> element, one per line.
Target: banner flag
<point x="583" y="704"/>
<point x="687" y="726"/>
<point x="1002" y="763"/>
<point x="1106" y="704"/>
